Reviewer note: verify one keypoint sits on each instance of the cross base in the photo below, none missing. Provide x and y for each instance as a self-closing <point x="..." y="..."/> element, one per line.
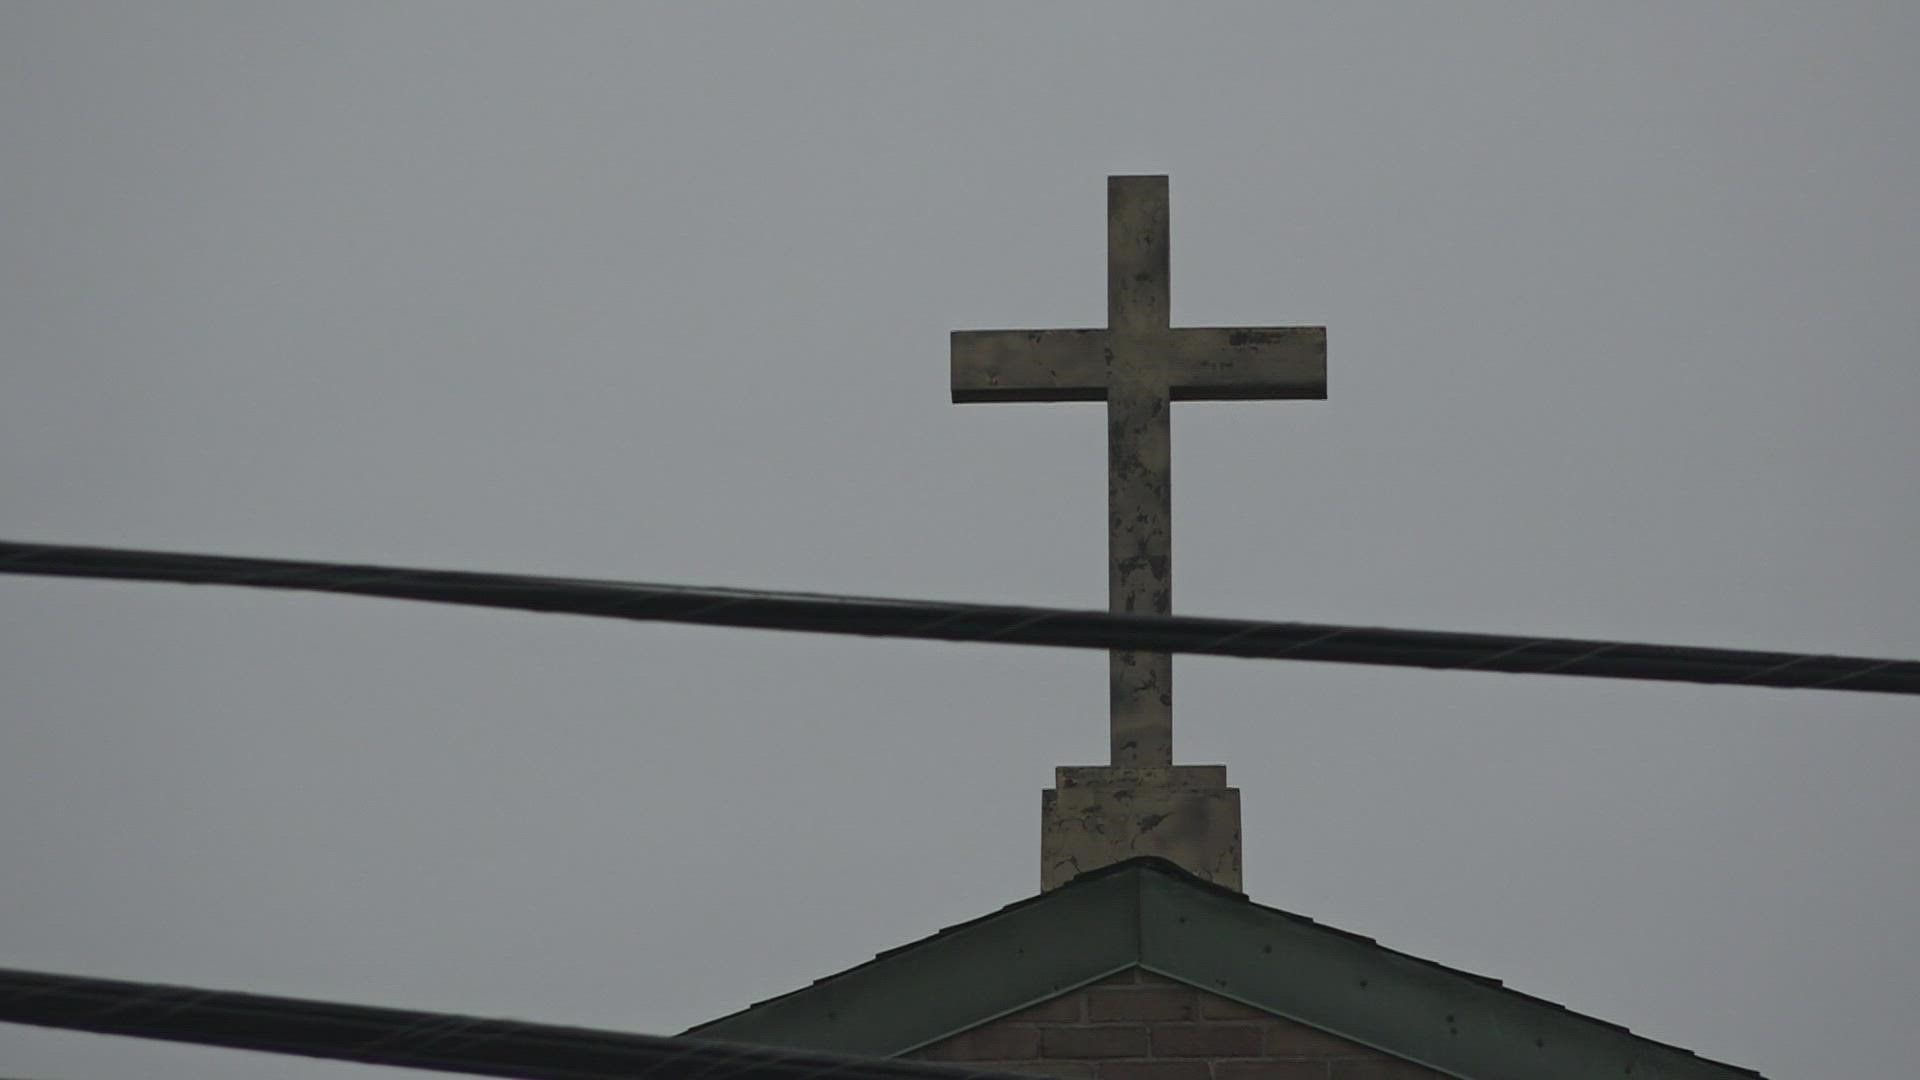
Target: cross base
<point x="1096" y="815"/>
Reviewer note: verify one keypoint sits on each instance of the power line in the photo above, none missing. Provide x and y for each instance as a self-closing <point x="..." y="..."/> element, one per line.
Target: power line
<point x="418" y="1040"/>
<point x="1003" y="624"/>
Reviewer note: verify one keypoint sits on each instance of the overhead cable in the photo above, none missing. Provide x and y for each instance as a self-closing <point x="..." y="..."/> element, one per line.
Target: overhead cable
<point x="419" y="1040"/>
<point x="1002" y="624"/>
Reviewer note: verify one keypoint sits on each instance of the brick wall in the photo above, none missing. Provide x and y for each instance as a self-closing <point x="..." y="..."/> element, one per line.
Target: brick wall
<point x="1138" y="1026"/>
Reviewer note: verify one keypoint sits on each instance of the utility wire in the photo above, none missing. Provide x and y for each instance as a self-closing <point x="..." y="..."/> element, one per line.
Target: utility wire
<point x="419" y="1040"/>
<point x="832" y="614"/>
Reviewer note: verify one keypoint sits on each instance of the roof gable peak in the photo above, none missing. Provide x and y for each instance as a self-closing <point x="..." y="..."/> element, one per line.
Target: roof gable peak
<point x="1150" y="913"/>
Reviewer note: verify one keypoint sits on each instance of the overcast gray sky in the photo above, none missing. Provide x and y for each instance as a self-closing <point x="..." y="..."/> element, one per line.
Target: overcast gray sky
<point x="1621" y="309"/>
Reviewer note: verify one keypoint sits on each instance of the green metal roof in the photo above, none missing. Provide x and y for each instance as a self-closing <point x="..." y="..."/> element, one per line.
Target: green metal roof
<point x="1151" y="914"/>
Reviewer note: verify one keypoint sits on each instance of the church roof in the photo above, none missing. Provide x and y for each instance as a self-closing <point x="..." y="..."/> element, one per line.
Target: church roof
<point x="1151" y="914"/>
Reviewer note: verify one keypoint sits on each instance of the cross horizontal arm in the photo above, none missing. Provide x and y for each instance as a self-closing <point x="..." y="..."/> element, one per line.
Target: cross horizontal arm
<point x="1247" y="363"/>
<point x="1204" y="363"/>
<point x="1029" y="365"/>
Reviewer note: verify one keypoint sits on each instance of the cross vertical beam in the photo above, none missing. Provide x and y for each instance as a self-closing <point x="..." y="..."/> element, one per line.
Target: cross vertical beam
<point x="1139" y="364"/>
<point x="1139" y="461"/>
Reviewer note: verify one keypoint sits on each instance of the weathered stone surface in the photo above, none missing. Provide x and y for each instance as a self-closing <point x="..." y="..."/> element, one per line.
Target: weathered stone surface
<point x="1098" y="815"/>
<point x="1139" y="460"/>
<point x="1139" y="364"/>
<point x="1124" y="779"/>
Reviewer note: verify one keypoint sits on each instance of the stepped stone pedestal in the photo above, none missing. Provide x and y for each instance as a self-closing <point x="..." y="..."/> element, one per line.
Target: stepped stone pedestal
<point x="1096" y="815"/>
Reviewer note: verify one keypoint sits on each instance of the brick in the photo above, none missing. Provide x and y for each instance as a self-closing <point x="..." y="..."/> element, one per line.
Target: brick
<point x="1065" y="1009"/>
<point x="1285" y="1038"/>
<point x="1127" y="977"/>
<point x="1219" y="1008"/>
<point x="993" y="1042"/>
<point x="1060" y="1070"/>
<point x="1269" y="1070"/>
<point x="1093" y="1042"/>
<point x="1153" y="1070"/>
<point x="1140" y="1003"/>
<point x="1208" y="1040"/>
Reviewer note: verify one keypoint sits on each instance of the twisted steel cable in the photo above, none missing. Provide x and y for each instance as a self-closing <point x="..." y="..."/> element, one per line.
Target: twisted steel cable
<point x="418" y="1040"/>
<point x="1005" y="624"/>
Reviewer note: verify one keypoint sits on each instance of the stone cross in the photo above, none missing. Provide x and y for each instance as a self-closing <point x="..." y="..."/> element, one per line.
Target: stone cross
<point x="1139" y="364"/>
